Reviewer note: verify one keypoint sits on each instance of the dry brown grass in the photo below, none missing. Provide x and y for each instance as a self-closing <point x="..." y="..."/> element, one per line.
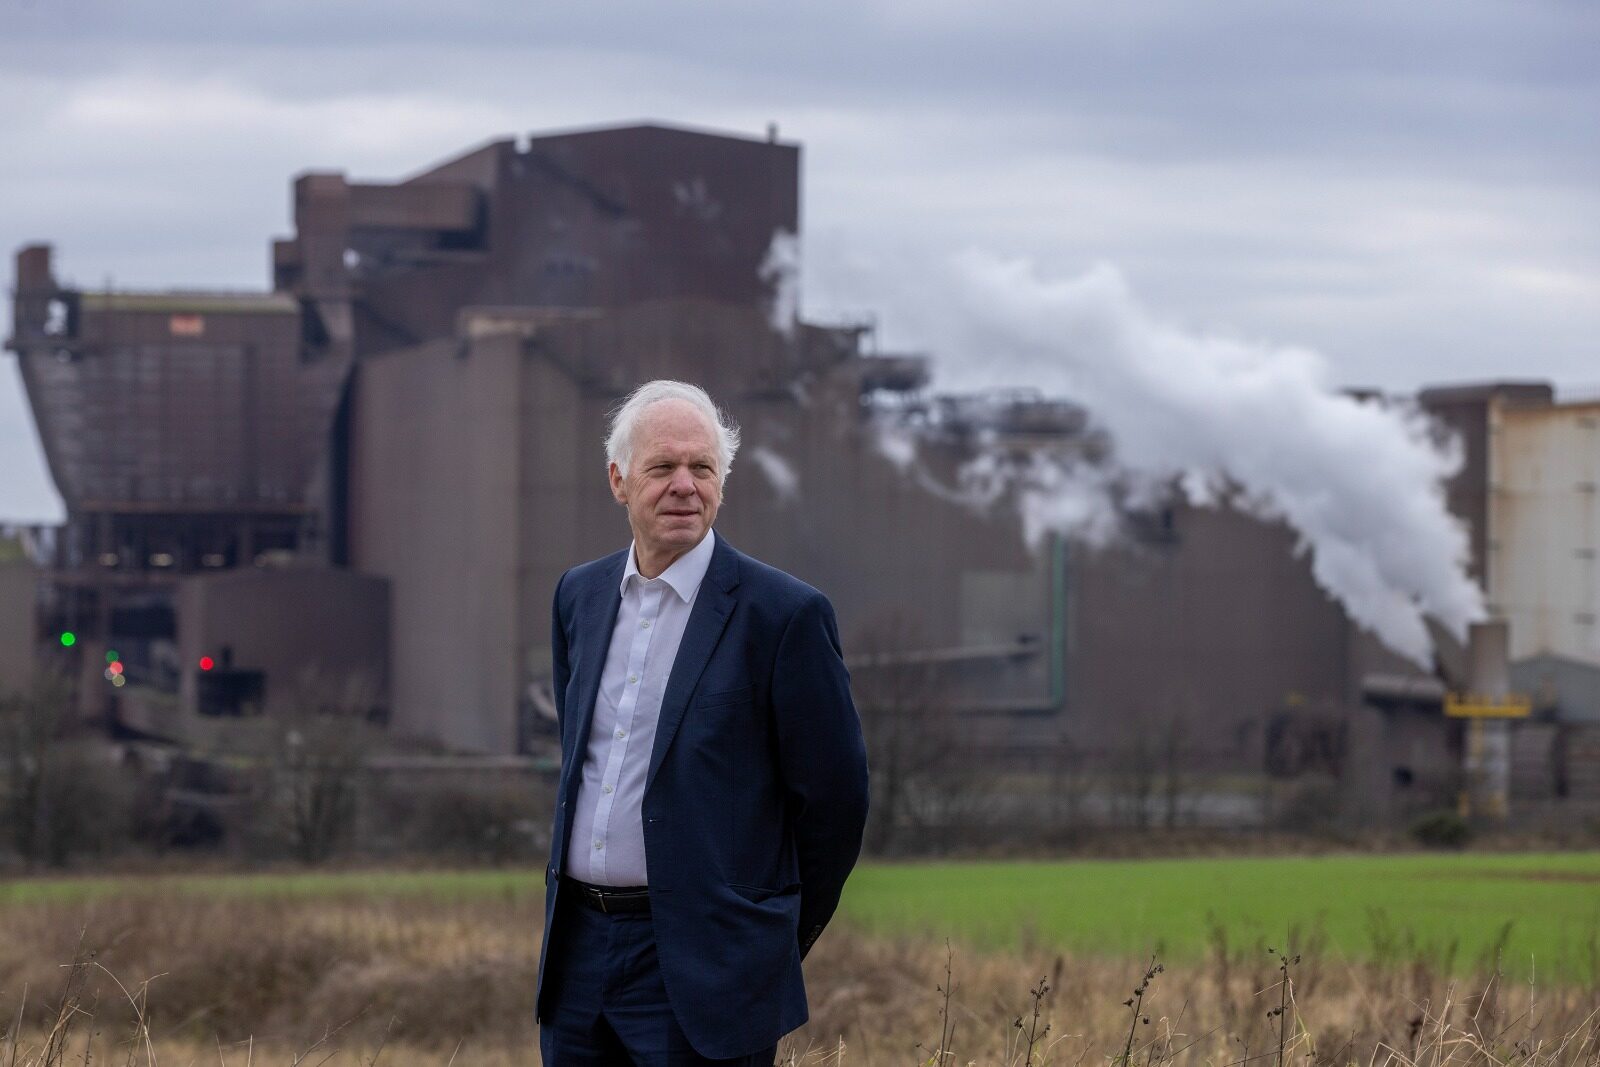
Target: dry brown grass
<point x="885" y="999"/>
<point x="415" y="981"/>
<point x="282" y="973"/>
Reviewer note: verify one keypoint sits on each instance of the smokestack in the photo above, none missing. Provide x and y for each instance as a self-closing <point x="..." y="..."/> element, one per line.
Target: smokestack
<point x="42" y="314"/>
<point x="34" y="274"/>
<point x="1488" y="706"/>
<point x="1488" y="661"/>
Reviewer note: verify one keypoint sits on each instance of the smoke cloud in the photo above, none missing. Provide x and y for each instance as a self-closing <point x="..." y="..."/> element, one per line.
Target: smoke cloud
<point x="779" y="472"/>
<point x="780" y="269"/>
<point x="1358" y="479"/>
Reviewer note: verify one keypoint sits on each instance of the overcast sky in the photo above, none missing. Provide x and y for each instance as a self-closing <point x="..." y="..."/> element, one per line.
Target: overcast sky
<point x="1409" y="189"/>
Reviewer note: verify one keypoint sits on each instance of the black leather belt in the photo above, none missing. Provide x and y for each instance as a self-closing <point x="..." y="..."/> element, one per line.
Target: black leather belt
<point x="611" y="899"/>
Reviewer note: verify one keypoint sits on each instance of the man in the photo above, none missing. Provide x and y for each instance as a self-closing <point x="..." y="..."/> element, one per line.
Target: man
<point x="713" y="777"/>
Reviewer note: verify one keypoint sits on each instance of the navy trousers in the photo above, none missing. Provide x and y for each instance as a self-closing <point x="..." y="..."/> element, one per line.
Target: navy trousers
<point x="606" y="1005"/>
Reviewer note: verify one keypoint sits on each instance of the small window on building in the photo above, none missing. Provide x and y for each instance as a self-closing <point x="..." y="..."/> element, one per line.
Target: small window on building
<point x="228" y="693"/>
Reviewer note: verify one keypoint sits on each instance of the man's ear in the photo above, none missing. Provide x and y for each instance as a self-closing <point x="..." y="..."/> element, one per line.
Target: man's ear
<point x="617" y="491"/>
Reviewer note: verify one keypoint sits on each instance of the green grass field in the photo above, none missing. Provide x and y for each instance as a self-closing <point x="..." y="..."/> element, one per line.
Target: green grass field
<point x="1450" y="910"/>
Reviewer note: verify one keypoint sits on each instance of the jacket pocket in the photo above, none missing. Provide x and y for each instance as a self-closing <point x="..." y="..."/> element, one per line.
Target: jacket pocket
<point x="739" y="695"/>
<point x="757" y="893"/>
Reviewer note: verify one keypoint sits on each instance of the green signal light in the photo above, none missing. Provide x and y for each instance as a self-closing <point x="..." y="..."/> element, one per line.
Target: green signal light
<point x="68" y="639"/>
<point x="111" y="655"/>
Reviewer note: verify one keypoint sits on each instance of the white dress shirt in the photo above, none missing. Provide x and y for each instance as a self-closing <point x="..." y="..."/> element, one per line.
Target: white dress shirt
<point x="607" y="842"/>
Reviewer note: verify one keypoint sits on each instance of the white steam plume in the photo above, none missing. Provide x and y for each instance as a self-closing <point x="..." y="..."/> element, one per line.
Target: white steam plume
<point x="780" y="269"/>
<point x="1360" y="481"/>
<point x="780" y="473"/>
<point x="1052" y="492"/>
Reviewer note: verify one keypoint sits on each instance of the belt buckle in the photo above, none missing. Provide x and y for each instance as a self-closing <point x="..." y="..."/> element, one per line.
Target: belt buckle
<point x="600" y="894"/>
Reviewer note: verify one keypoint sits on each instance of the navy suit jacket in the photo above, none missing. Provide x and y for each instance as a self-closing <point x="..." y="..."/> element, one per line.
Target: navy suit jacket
<point x="756" y="795"/>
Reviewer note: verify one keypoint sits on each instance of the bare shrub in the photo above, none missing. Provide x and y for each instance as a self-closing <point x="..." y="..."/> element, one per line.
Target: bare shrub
<point x="910" y="736"/>
<point x="497" y="824"/>
<point x="1307" y="805"/>
<point x="59" y="795"/>
<point x="317" y="743"/>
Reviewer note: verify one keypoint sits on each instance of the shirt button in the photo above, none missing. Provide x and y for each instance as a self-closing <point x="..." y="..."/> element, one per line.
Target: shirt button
<point x="621" y="734"/>
<point x="599" y="844"/>
<point x="633" y="679"/>
<point x="605" y="789"/>
<point x="645" y="625"/>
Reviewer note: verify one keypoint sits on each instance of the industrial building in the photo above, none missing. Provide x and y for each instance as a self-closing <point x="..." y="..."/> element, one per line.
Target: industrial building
<point x="379" y="468"/>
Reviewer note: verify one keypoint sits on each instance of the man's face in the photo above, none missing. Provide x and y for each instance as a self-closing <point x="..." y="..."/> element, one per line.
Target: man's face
<point x="674" y="482"/>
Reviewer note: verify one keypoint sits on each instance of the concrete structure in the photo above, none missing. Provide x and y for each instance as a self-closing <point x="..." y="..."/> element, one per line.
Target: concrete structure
<point x="429" y="377"/>
<point x="1528" y="492"/>
<point x="1464" y="412"/>
<point x="184" y="431"/>
<point x="498" y="484"/>
<point x="412" y="417"/>
<point x="311" y="633"/>
<point x="191" y="432"/>
<point x="1544" y="580"/>
<point x="1544" y="528"/>
<point x="19" y="615"/>
<point x="1206" y="622"/>
<point x="591" y="219"/>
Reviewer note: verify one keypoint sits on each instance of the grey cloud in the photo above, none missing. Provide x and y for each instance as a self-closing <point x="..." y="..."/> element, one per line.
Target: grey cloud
<point x="1492" y="87"/>
<point x="971" y="51"/>
<point x="1407" y="187"/>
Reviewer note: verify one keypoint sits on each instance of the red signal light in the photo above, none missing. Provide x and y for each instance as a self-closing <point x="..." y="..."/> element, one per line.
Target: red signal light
<point x="115" y="668"/>
<point x="206" y="663"/>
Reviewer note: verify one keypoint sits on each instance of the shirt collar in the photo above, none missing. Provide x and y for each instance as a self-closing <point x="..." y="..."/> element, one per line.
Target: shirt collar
<point x="684" y="575"/>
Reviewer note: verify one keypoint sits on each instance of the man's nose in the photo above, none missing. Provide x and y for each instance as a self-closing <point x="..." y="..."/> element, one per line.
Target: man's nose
<point x="682" y="482"/>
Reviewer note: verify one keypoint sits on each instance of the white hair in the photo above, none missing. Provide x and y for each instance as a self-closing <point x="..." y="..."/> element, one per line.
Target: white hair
<point x="625" y="417"/>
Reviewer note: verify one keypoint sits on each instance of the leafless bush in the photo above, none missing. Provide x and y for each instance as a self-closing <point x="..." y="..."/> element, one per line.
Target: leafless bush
<point x="58" y="794"/>
<point x="497" y="823"/>
<point x="1148" y="771"/>
<point x="318" y="740"/>
<point x="925" y="787"/>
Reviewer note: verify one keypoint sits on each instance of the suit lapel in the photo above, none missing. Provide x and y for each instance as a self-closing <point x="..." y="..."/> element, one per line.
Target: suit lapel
<point x="597" y="617"/>
<point x="707" y="619"/>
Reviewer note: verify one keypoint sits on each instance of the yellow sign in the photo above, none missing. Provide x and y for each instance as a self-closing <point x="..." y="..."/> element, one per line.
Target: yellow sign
<point x="1478" y="706"/>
